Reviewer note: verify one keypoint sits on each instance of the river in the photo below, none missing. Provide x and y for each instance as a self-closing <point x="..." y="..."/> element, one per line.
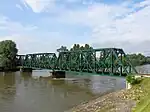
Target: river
<point x="27" y="92"/>
<point x="145" y="69"/>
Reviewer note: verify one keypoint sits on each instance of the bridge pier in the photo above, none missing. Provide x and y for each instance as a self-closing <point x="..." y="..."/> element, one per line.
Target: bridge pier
<point x="58" y="74"/>
<point x="25" y="69"/>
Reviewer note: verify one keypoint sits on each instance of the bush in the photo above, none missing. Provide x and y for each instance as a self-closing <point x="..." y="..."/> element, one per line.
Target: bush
<point x="132" y="80"/>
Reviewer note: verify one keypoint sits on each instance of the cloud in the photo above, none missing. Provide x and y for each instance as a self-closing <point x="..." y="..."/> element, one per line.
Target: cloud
<point x="95" y="15"/>
<point x="29" y="44"/>
<point x="38" y="5"/>
<point x="113" y="23"/>
<point x="32" y="43"/>
<point x="19" y="7"/>
<point x="21" y="34"/>
<point x="29" y="38"/>
<point x="132" y="29"/>
<point x="124" y="25"/>
<point x="15" y="27"/>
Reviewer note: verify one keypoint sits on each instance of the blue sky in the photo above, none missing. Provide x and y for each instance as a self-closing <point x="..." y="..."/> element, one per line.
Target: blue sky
<point x="45" y="25"/>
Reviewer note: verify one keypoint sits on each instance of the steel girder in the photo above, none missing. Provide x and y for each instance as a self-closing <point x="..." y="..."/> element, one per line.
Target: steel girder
<point x="102" y="61"/>
<point x="19" y="60"/>
<point x="39" y="60"/>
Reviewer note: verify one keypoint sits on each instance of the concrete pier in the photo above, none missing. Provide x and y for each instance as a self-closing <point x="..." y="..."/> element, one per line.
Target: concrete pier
<point x="58" y="74"/>
<point x="128" y="85"/>
<point x="25" y="69"/>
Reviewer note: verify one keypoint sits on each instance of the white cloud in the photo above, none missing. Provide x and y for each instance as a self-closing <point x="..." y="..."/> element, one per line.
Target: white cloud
<point x="29" y="38"/>
<point x="39" y="5"/>
<point x="24" y="3"/>
<point x="111" y="26"/>
<point x="96" y="14"/>
<point x="28" y="44"/>
<point x="134" y="28"/>
<point x="19" y="7"/>
<point x="17" y="32"/>
<point x="114" y="23"/>
<point x="144" y="3"/>
<point x="85" y="2"/>
<point x="15" y="27"/>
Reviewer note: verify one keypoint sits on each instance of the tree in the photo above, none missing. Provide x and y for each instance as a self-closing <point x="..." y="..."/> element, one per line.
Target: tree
<point x="62" y="49"/>
<point x="78" y="47"/>
<point x="75" y="47"/>
<point x="86" y="56"/>
<point x="138" y="59"/>
<point x="8" y="52"/>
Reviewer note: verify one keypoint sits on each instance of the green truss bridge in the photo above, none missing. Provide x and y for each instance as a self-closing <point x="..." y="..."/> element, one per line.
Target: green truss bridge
<point x="110" y="61"/>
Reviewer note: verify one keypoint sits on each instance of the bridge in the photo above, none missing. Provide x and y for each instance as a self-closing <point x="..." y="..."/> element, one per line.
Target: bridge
<point x="110" y="61"/>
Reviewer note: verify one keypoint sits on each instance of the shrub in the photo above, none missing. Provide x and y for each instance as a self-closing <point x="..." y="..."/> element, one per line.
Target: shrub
<point x="132" y="80"/>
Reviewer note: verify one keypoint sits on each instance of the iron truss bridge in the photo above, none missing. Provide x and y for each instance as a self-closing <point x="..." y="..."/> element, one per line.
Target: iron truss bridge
<point x="112" y="61"/>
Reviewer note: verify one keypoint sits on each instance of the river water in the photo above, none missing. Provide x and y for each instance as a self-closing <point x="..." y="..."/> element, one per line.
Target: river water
<point x="145" y="69"/>
<point x="27" y="92"/>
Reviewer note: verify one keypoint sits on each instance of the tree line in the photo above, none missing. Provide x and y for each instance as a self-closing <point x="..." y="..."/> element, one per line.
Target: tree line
<point x="8" y="52"/>
<point x="74" y="48"/>
<point x="138" y="59"/>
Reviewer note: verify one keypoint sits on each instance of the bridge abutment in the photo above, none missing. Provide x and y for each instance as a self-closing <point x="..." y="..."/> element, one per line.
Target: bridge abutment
<point x="58" y="74"/>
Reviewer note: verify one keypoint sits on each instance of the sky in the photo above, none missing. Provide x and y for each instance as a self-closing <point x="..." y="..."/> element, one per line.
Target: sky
<point x="45" y="25"/>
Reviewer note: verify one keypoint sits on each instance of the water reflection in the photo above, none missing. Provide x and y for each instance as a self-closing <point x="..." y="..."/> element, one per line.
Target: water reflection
<point x="28" y="92"/>
<point x="7" y="90"/>
<point x="26" y="78"/>
<point x="7" y="79"/>
<point x="97" y="84"/>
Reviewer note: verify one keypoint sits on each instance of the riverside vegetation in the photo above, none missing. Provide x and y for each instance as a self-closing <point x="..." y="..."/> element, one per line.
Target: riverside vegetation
<point x="8" y="52"/>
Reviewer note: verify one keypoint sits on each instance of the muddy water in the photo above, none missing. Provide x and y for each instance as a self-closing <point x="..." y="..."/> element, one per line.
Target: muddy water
<point x="27" y="92"/>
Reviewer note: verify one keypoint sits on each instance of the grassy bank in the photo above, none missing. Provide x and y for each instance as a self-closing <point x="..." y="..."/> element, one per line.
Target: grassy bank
<point x="136" y="99"/>
<point x="143" y="102"/>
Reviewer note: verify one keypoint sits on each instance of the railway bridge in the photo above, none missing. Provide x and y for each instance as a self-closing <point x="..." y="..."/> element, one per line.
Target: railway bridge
<point x="110" y="61"/>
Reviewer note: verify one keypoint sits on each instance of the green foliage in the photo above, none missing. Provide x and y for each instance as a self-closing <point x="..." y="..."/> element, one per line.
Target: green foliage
<point x="62" y="49"/>
<point x="8" y="52"/>
<point x="78" y="47"/>
<point x="85" y="55"/>
<point x="132" y="80"/>
<point x="138" y="59"/>
<point x="143" y="104"/>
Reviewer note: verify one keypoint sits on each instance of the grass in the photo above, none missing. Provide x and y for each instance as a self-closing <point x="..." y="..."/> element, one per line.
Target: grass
<point x="143" y="106"/>
<point x="143" y="103"/>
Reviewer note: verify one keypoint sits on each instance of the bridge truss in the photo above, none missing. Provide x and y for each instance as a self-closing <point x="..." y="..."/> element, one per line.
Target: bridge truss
<point x="111" y="61"/>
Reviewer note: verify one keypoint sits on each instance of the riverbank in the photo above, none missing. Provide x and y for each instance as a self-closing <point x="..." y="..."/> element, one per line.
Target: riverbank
<point x="14" y="69"/>
<point x="136" y="99"/>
